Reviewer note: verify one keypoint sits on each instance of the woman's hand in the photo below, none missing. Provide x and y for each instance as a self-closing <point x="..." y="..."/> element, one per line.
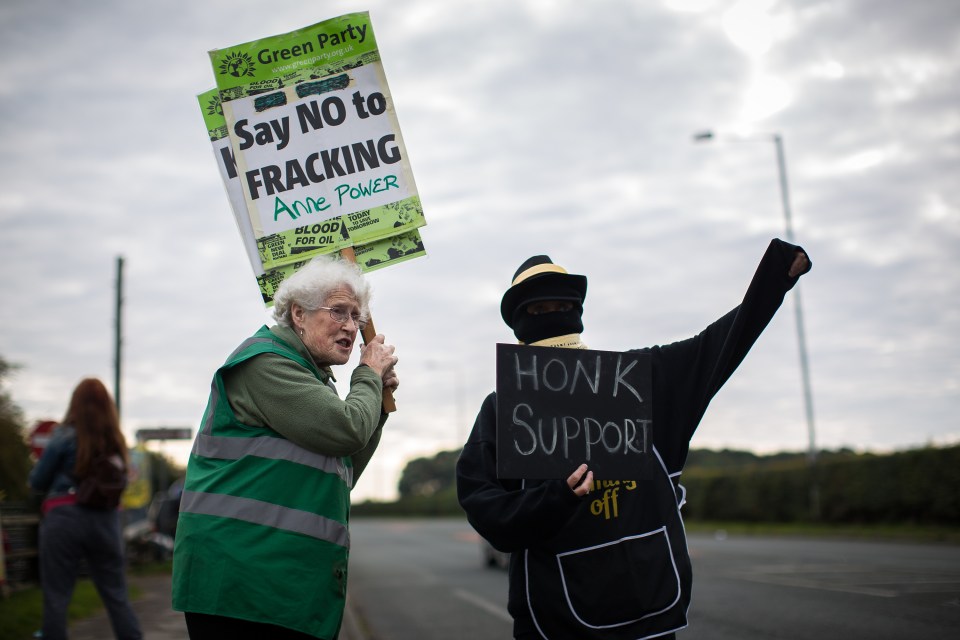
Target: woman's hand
<point x="390" y="380"/>
<point x="378" y="355"/>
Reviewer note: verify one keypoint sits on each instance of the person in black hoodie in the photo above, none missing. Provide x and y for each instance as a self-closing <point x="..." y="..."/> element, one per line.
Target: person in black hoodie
<point x="578" y="568"/>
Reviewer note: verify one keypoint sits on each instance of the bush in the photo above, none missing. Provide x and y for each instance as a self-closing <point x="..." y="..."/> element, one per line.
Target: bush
<point x="917" y="486"/>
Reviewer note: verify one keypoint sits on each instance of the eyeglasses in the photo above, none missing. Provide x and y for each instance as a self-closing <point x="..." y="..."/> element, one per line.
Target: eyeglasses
<point x="342" y="315"/>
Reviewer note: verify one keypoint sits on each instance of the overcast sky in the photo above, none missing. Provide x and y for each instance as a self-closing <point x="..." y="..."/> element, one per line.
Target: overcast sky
<point x="532" y="127"/>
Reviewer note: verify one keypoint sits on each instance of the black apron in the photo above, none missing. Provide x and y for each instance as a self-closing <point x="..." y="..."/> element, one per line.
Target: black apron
<point x="619" y="569"/>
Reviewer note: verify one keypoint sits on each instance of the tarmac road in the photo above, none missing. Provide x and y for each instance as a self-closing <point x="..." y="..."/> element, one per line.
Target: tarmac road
<point x="424" y="580"/>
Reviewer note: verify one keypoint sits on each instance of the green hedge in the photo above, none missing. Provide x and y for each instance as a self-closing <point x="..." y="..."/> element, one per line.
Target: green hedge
<point x="443" y="503"/>
<point x="918" y="486"/>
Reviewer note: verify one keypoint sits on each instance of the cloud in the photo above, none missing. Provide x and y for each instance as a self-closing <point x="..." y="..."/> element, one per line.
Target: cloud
<point x="532" y="128"/>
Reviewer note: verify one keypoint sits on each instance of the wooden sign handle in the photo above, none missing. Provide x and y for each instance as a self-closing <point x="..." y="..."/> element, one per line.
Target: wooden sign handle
<point x="369" y="333"/>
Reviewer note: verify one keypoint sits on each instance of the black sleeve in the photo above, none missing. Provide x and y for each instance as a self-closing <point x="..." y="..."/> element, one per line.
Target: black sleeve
<point x="508" y="515"/>
<point x="689" y="373"/>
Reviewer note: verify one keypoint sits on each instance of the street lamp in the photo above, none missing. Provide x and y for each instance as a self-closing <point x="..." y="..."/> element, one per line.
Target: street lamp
<point x="777" y="139"/>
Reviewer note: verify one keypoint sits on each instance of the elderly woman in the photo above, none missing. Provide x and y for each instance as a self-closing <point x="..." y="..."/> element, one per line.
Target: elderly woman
<point x="262" y="540"/>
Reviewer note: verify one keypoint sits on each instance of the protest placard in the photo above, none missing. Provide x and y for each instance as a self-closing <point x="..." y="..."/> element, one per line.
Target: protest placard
<point x="315" y="140"/>
<point x="217" y="131"/>
<point x="558" y="408"/>
<point x="316" y="156"/>
<point x="370" y="256"/>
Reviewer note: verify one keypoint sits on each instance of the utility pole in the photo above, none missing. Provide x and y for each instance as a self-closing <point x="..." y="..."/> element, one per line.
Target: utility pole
<point x="118" y="333"/>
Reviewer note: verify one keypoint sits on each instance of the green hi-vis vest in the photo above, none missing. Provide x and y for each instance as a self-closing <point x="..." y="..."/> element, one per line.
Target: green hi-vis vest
<point x="262" y="533"/>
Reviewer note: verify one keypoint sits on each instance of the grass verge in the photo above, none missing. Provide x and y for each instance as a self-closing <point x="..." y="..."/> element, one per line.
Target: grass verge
<point x="22" y="613"/>
<point x="877" y="532"/>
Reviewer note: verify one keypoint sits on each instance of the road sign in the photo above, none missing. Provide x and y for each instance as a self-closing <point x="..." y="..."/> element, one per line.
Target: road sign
<point x="40" y="436"/>
<point x="164" y="433"/>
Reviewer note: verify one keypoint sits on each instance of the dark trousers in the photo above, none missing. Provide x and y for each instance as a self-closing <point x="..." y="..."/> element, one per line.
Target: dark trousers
<point x="69" y="533"/>
<point x="202" y="626"/>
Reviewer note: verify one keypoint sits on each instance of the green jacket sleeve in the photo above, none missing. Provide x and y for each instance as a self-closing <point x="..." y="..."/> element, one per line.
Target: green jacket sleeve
<point x="362" y="457"/>
<point x="273" y="391"/>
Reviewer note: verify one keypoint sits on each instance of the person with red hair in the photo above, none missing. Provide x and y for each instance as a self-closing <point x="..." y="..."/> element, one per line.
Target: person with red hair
<point x="70" y="531"/>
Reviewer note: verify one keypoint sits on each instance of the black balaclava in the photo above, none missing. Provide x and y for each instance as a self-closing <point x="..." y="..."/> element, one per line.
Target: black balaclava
<point x="531" y="328"/>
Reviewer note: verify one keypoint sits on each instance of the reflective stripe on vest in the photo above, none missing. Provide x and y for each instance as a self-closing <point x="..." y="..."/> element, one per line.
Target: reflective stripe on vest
<point x="267" y="514"/>
<point x="232" y="448"/>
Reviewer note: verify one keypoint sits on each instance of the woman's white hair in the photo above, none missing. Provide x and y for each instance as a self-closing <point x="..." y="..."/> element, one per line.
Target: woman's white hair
<point x="314" y="282"/>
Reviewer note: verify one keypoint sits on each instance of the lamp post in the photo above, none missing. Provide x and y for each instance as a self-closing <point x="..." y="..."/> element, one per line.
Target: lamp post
<point x="777" y="139"/>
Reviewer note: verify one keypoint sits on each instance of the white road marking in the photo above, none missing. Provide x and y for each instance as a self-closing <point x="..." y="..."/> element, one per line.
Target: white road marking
<point x="486" y="605"/>
<point x="862" y="580"/>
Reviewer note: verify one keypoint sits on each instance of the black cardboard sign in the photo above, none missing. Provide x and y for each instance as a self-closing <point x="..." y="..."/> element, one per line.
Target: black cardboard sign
<point x="558" y="408"/>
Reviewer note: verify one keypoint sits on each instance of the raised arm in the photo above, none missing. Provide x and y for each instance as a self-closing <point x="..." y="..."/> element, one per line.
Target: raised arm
<point x="273" y="391"/>
<point x="689" y="373"/>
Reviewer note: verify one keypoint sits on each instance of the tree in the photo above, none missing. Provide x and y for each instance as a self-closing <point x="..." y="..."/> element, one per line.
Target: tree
<point x="429" y="476"/>
<point x="14" y="453"/>
<point x="163" y="471"/>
